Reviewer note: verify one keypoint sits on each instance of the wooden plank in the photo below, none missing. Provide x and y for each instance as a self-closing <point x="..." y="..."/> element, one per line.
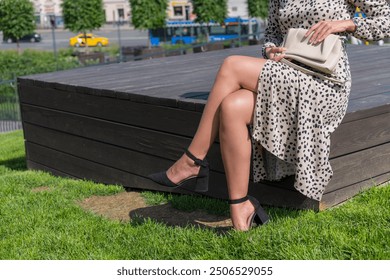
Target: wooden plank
<point x="268" y="193"/>
<point x="370" y="102"/>
<point x="97" y="152"/>
<point x="84" y="169"/>
<point x="165" y="119"/>
<point x="366" y="113"/>
<point x="280" y="197"/>
<point x="134" y="138"/>
<point x="121" y="159"/>
<point x="380" y="86"/>
<point x="36" y="166"/>
<point x="114" y="156"/>
<point x="139" y="165"/>
<point x="358" y="135"/>
<point x="153" y="70"/>
<point x="340" y="195"/>
<point x="359" y="166"/>
<point x="345" y="140"/>
<point x="150" y="77"/>
<point x="196" y="71"/>
<point x="118" y="134"/>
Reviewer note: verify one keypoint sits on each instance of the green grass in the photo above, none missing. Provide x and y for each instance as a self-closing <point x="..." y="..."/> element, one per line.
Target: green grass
<point x="51" y="225"/>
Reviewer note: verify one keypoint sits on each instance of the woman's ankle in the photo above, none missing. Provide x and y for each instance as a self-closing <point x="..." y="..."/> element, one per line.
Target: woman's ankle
<point x="182" y="169"/>
<point x="241" y="214"/>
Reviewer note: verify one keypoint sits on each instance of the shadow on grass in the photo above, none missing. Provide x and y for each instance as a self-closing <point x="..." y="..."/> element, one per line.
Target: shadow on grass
<point x="17" y="164"/>
<point x="170" y="216"/>
<point x="178" y="211"/>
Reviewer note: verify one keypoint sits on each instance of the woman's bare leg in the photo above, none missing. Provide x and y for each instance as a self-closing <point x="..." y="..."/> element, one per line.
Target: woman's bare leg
<point x="236" y="113"/>
<point x="235" y="73"/>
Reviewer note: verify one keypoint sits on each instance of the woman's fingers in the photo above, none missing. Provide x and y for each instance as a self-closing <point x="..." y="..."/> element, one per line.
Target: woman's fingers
<point x="276" y="50"/>
<point x="277" y="53"/>
<point x="312" y="29"/>
<point x="274" y="53"/>
<point x="321" y="36"/>
<point x="319" y="31"/>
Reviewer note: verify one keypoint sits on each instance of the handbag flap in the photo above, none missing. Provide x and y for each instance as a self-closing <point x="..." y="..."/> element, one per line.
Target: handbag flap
<point x="298" y="46"/>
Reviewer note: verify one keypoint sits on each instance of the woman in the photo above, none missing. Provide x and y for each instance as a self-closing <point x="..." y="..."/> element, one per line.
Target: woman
<point x="291" y="113"/>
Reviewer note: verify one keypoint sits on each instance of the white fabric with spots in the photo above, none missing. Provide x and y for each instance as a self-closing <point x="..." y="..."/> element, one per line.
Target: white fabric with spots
<point x="296" y="113"/>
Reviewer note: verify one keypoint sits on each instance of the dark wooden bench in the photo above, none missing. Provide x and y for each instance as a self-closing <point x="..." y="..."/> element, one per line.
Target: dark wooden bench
<point x="117" y="123"/>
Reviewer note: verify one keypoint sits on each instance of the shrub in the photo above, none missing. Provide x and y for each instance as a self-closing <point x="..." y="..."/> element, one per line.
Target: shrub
<point x="33" y="62"/>
<point x="29" y="62"/>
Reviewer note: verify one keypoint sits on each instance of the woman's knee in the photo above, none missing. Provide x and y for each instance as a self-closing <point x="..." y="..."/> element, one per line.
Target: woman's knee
<point x="243" y="70"/>
<point x="230" y="105"/>
<point x="237" y="106"/>
<point x="230" y="64"/>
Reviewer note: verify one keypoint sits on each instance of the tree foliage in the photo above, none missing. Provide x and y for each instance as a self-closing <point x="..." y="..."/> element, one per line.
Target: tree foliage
<point x="258" y="8"/>
<point x="207" y="11"/>
<point x="83" y="15"/>
<point x="16" y="18"/>
<point x="148" y="14"/>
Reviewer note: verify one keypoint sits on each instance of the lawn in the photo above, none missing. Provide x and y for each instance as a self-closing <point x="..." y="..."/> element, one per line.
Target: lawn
<point x="51" y="224"/>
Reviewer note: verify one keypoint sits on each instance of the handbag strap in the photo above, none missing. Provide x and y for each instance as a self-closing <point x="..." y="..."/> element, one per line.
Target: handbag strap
<point x="310" y="72"/>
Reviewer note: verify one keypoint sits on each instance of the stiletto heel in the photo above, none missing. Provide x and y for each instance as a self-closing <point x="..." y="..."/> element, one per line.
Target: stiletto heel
<point x="199" y="183"/>
<point x="259" y="216"/>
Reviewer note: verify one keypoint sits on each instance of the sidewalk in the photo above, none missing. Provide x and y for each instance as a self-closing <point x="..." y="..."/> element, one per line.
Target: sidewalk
<point x="7" y="126"/>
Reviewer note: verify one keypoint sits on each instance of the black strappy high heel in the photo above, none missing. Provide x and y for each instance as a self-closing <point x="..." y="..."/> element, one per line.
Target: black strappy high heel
<point x="200" y="181"/>
<point x="259" y="216"/>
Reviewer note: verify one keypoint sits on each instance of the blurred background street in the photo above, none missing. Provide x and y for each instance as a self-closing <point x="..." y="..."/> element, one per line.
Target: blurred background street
<point x="129" y="37"/>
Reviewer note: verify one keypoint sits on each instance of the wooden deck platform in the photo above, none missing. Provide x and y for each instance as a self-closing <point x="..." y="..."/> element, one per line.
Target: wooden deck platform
<point x="117" y="123"/>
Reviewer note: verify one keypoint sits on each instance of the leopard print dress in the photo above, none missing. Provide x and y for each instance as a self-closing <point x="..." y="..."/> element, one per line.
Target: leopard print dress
<point x="295" y="113"/>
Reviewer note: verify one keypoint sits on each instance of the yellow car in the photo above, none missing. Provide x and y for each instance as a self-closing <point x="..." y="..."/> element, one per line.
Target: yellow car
<point x="90" y="39"/>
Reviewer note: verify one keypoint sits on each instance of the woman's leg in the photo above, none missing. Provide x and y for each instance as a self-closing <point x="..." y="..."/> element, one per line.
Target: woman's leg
<point x="235" y="73"/>
<point x="236" y="113"/>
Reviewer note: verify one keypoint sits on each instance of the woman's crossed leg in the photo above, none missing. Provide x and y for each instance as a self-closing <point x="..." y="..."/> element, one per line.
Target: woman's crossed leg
<point x="229" y="110"/>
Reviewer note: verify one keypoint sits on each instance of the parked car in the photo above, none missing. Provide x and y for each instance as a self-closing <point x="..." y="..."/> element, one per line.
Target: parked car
<point x="80" y="41"/>
<point x="33" y="38"/>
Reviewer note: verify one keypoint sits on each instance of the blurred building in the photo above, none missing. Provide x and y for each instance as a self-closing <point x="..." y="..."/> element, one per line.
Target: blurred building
<point x="46" y="8"/>
<point x="238" y="8"/>
<point x="180" y="10"/>
<point x="183" y="10"/>
<point x="119" y="10"/>
<point x="114" y="10"/>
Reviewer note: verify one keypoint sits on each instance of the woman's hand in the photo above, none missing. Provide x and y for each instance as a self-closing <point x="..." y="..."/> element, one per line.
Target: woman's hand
<point x="322" y="29"/>
<point x="275" y="53"/>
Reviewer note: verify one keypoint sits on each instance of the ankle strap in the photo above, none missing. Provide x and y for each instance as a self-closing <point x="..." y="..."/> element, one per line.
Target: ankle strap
<point x="237" y="201"/>
<point x="197" y="161"/>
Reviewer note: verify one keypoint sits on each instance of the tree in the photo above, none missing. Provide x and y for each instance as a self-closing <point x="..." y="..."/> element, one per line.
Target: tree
<point x="16" y="19"/>
<point x="207" y="11"/>
<point x="148" y="14"/>
<point x="83" y="15"/>
<point x="258" y="8"/>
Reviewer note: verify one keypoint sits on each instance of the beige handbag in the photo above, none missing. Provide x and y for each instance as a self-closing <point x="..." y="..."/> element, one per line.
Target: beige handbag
<point x="322" y="58"/>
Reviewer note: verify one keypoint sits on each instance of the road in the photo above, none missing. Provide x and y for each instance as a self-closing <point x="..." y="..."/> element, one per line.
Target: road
<point x="129" y="37"/>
